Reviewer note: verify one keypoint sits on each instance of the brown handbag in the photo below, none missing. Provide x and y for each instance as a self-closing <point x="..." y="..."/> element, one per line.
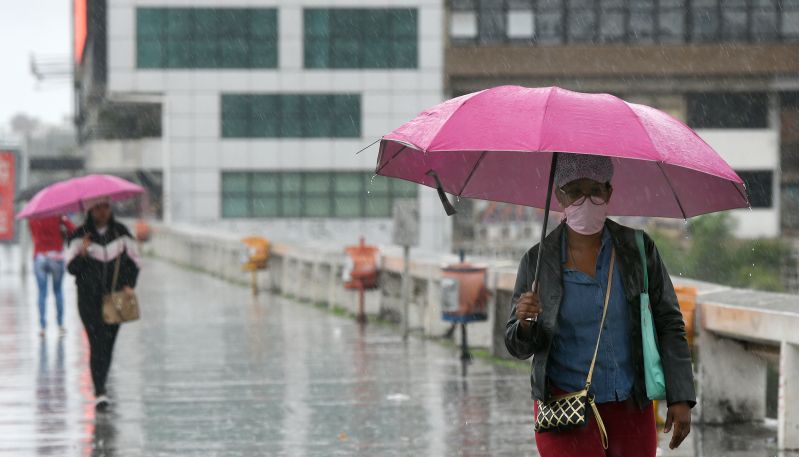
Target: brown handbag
<point x="119" y="306"/>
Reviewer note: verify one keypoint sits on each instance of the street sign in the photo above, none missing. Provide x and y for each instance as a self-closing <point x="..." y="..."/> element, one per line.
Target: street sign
<point x="406" y="223"/>
<point x="7" y="188"/>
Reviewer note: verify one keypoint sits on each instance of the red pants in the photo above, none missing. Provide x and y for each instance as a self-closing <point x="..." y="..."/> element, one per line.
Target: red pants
<point x="631" y="433"/>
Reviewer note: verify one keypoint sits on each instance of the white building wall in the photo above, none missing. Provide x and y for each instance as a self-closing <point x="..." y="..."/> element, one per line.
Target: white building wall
<point x="751" y="150"/>
<point x="192" y="119"/>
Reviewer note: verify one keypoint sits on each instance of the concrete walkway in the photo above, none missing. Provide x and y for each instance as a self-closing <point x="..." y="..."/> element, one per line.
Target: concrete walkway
<point x="211" y="372"/>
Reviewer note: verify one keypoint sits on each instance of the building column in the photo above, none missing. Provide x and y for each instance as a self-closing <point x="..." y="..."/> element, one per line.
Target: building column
<point x="788" y="419"/>
<point x="723" y="397"/>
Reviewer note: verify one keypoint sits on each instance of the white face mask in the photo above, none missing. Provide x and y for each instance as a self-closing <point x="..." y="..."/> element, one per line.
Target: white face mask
<point x="586" y="218"/>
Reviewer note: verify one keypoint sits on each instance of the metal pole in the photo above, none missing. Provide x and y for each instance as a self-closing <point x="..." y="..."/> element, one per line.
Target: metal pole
<point x="406" y="282"/>
<point x="465" y="355"/>
<point x="166" y="164"/>
<point x="361" y="318"/>
<point x="23" y="226"/>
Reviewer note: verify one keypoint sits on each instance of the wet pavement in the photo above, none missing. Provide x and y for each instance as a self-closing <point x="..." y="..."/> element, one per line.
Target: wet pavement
<point x="209" y="371"/>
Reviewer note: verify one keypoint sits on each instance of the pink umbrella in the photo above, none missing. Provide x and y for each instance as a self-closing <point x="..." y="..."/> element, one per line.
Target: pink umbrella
<point x="70" y="196"/>
<point x="501" y="144"/>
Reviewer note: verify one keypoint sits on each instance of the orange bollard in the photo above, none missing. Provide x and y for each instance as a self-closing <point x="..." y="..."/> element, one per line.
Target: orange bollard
<point x="364" y="273"/>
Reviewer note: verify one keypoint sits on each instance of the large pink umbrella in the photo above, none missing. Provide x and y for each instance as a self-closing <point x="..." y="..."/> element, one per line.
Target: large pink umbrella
<point x="502" y="144"/>
<point x="71" y="195"/>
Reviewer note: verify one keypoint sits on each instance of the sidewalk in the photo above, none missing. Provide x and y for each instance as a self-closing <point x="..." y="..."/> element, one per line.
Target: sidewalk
<point x="211" y="372"/>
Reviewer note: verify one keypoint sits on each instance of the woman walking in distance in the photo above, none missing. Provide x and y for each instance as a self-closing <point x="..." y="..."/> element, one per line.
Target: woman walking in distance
<point x="48" y="236"/>
<point x="92" y="253"/>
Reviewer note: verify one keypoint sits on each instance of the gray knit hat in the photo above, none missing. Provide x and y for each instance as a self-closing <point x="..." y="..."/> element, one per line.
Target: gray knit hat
<point x="570" y="167"/>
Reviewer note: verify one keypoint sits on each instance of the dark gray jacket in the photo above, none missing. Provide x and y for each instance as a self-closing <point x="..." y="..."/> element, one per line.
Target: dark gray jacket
<point x="671" y="334"/>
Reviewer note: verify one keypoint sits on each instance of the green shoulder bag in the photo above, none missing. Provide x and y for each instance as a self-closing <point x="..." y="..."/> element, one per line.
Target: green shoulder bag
<point x="653" y="370"/>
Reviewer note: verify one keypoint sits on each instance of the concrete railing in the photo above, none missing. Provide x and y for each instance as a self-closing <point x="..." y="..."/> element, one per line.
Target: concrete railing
<point x="738" y="329"/>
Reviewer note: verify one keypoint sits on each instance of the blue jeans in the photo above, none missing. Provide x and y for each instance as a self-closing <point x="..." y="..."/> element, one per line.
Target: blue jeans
<point x="42" y="267"/>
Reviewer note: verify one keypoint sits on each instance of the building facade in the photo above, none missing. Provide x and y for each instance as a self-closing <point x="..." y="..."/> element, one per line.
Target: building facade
<point x="726" y="68"/>
<point x="252" y="112"/>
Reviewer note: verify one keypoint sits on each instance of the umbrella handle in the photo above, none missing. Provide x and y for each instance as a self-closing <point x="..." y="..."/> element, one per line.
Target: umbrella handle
<point x="535" y="285"/>
<point x="448" y="207"/>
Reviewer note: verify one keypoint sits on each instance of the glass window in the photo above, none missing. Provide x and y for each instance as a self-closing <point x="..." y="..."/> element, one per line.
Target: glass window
<point x="491" y="21"/>
<point x="348" y="191"/>
<point x="705" y="20"/>
<point x="378" y="206"/>
<point x="360" y="38"/>
<point x="582" y="21"/>
<point x="789" y="18"/>
<point x="734" y="19"/>
<point x="206" y="38"/>
<point x="464" y="24"/>
<point x="764" y="22"/>
<point x="520" y="24"/>
<point x="642" y="21"/>
<point x="612" y="25"/>
<point x="671" y="23"/>
<point x="266" y="206"/>
<point x="759" y="187"/>
<point x="727" y="110"/>
<point x="234" y="182"/>
<point x="235" y="207"/>
<point x="311" y="194"/>
<point x="291" y="116"/>
<point x="404" y="189"/>
<point x="550" y="27"/>
<point x="150" y="54"/>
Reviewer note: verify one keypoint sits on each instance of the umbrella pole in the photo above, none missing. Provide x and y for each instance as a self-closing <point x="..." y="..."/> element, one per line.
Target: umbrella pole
<point x="535" y="285"/>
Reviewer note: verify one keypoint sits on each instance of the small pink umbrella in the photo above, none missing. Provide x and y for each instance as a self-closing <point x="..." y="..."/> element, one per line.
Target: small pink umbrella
<point x="71" y="195"/>
<point x="501" y="144"/>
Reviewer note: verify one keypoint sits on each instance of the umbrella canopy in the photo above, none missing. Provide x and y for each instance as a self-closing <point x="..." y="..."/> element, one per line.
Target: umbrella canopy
<point x="69" y="196"/>
<point x="499" y="144"/>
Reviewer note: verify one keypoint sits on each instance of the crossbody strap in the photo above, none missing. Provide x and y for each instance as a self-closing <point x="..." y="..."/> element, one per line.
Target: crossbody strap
<point x="640" y="244"/>
<point x="116" y="268"/>
<point x="603" y="320"/>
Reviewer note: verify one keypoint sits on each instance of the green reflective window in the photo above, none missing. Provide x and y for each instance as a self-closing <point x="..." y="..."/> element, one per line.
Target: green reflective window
<point x="234" y="182"/>
<point x="206" y="38"/>
<point x="291" y="206"/>
<point x="150" y="54"/>
<point x="378" y="207"/>
<point x="265" y="207"/>
<point x="347" y="206"/>
<point x="360" y="38"/>
<point x="291" y="116"/>
<point x="291" y="183"/>
<point x="235" y="207"/>
<point x="377" y="185"/>
<point x="342" y="194"/>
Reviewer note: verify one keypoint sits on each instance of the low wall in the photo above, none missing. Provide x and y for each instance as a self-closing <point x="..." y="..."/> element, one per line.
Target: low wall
<point x="313" y="272"/>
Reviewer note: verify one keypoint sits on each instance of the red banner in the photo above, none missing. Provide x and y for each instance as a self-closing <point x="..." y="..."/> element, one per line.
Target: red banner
<point x="7" y="187"/>
<point x="79" y="27"/>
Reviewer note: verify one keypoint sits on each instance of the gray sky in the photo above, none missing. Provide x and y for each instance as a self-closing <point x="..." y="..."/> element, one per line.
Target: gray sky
<point x="42" y="27"/>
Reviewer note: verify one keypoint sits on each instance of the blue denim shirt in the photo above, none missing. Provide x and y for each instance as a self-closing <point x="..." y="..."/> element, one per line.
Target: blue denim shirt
<point x="578" y="323"/>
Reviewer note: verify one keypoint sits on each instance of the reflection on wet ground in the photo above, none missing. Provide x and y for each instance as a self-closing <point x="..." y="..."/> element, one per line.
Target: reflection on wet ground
<point x="211" y="372"/>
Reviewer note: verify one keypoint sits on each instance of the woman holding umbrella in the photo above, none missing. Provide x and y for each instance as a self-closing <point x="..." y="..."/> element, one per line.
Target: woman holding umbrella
<point x="576" y="278"/>
<point x="509" y="144"/>
<point x="92" y="252"/>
